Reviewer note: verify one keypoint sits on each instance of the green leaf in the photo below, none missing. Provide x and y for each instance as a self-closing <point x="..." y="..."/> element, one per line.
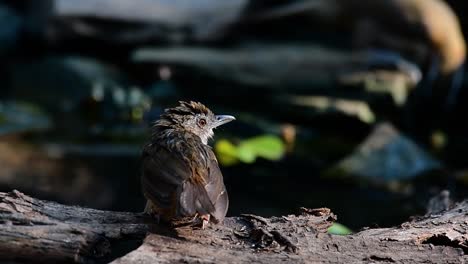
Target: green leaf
<point x="246" y="154"/>
<point x="267" y="147"/>
<point x="339" y="229"/>
<point x="226" y="152"/>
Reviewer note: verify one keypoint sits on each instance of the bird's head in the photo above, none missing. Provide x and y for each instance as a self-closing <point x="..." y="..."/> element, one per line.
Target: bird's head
<point x="193" y="117"/>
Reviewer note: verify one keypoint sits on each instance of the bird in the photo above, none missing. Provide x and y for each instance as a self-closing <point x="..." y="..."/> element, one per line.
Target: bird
<point x="180" y="175"/>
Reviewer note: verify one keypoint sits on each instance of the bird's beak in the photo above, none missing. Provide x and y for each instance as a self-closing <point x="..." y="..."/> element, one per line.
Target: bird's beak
<point x="223" y="119"/>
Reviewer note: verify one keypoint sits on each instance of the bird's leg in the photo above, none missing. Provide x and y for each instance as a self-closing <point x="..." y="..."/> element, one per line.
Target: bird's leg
<point x="195" y="218"/>
<point x="149" y="210"/>
<point x="205" y="220"/>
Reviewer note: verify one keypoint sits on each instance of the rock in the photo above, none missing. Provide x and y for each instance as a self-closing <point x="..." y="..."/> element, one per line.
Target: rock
<point x="16" y="117"/>
<point x="386" y="155"/>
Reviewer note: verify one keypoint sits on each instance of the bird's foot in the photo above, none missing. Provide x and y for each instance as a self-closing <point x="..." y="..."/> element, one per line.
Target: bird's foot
<point x="200" y="219"/>
<point x="205" y="220"/>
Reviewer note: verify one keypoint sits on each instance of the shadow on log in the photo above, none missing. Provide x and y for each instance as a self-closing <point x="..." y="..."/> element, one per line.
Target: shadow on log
<point x="32" y="230"/>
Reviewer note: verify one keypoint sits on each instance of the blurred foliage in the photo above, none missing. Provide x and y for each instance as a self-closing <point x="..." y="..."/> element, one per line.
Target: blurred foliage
<point x="438" y="140"/>
<point x="339" y="229"/>
<point x="247" y="151"/>
<point x="61" y="82"/>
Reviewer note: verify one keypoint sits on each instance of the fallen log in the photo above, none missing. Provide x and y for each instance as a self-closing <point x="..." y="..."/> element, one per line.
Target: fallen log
<point x="32" y="230"/>
<point x="284" y="67"/>
<point x="434" y="239"/>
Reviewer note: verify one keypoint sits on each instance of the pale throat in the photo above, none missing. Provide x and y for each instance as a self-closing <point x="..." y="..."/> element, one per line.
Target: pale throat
<point x="206" y="136"/>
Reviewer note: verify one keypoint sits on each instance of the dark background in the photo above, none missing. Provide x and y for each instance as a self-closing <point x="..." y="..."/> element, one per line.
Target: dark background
<point x="77" y="98"/>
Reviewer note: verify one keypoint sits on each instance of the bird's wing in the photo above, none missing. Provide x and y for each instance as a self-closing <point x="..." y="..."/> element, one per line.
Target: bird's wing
<point x="215" y="188"/>
<point x="171" y="178"/>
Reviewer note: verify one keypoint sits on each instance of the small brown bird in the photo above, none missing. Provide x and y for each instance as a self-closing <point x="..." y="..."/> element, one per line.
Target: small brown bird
<point x="180" y="173"/>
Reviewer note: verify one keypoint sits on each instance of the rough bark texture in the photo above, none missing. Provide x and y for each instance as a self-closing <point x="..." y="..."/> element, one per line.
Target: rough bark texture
<point x="34" y="230"/>
<point x="301" y="239"/>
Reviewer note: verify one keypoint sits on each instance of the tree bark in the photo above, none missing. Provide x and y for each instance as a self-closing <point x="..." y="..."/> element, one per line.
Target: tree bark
<point x="32" y="230"/>
<point x="301" y="239"/>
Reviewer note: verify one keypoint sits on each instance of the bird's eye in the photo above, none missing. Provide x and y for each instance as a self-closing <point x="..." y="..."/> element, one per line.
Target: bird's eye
<point x="202" y="122"/>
